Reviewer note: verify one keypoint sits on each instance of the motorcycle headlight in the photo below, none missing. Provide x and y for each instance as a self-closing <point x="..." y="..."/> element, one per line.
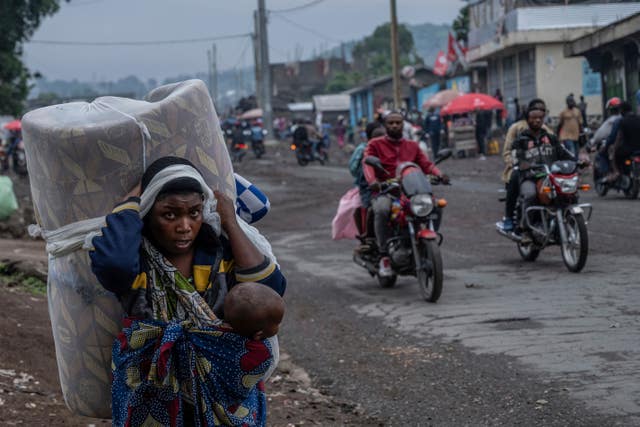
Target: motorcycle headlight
<point x="568" y="185"/>
<point x="421" y="204"/>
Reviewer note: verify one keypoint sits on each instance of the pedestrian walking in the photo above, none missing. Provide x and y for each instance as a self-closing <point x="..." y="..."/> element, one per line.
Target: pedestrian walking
<point x="570" y="125"/>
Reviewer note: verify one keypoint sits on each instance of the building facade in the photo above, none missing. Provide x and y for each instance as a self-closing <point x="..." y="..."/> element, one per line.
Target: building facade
<point x="614" y="51"/>
<point x="523" y="41"/>
<point x="378" y="94"/>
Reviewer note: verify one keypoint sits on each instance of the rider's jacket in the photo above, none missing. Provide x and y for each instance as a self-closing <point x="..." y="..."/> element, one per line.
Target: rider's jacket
<point x="543" y="149"/>
<point x="391" y="153"/>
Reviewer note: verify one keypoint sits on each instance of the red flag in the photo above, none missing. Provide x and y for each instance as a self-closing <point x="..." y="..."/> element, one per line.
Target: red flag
<point x="441" y="65"/>
<point x="452" y="55"/>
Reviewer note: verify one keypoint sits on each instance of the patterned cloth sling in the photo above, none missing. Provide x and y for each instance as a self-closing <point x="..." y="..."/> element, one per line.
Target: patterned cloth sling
<point x="183" y="354"/>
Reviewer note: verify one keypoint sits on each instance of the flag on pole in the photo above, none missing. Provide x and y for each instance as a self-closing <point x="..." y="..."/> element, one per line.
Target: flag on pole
<point x="441" y="65"/>
<point x="452" y="55"/>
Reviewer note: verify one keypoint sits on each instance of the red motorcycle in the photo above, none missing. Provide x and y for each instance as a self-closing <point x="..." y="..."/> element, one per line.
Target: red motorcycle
<point x="414" y="245"/>
<point x="554" y="216"/>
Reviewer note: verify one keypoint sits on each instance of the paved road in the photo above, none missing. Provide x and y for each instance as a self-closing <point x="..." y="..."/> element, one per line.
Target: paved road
<point x="578" y="332"/>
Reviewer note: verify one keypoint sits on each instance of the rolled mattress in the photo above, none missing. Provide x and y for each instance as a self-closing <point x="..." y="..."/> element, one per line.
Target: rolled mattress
<point x="82" y="159"/>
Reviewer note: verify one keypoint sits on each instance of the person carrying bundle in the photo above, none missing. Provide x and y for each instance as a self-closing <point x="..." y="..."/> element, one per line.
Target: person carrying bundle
<point x="177" y="269"/>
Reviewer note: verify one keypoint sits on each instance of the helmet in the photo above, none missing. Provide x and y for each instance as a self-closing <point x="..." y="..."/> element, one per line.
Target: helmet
<point x="613" y="102"/>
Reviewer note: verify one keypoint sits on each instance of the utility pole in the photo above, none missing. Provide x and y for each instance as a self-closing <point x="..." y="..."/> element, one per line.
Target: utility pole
<point x="394" y="56"/>
<point x="255" y="37"/>
<point x="212" y="69"/>
<point x="265" y="69"/>
<point x="214" y="73"/>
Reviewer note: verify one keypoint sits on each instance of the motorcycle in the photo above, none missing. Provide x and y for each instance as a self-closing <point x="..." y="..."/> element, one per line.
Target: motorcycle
<point x="628" y="181"/>
<point x="14" y="153"/>
<point x="555" y="217"/>
<point x="238" y="151"/>
<point x="257" y="142"/>
<point x="414" y="245"/>
<point x="308" y="151"/>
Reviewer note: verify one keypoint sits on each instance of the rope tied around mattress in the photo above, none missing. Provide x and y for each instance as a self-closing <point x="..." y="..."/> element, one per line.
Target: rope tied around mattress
<point x="79" y="235"/>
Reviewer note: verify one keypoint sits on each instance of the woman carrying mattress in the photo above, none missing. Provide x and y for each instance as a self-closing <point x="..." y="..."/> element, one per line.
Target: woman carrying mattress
<point x="174" y="363"/>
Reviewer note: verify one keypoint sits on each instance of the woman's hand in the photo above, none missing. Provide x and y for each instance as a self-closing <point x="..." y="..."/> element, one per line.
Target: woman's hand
<point x="226" y="209"/>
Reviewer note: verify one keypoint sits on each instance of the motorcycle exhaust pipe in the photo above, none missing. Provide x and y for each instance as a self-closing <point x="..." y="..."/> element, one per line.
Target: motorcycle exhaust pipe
<point x="510" y="236"/>
<point x="367" y="265"/>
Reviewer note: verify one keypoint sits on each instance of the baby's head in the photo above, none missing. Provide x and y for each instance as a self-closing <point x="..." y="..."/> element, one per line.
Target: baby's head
<point x="253" y="310"/>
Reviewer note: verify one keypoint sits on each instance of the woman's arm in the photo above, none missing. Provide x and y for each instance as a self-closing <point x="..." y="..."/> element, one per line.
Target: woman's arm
<point x="251" y="265"/>
<point x="115" y="259"/>
<point x="245" y="254"/>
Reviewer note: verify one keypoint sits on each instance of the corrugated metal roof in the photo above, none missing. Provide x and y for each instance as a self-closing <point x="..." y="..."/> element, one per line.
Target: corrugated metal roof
<point x="337" y="102"/>
<point x="572" y="16"/>
<point x="300" y="106"/>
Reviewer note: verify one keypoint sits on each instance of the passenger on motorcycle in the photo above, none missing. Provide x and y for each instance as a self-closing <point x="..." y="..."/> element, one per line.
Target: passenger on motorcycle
<point x="626" y="139"/>
<point x="374" y="130"/>
<point x="392" y="150"/>
<point x="533" y="145"/>
<point x="605" y="132"/>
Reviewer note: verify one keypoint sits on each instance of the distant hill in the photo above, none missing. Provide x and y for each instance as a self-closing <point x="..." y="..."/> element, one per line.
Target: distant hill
<point x="429" y="39"/>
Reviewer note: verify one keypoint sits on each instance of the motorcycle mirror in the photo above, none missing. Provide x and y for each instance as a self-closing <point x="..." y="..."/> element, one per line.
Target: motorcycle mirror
<point x="374" y="162"/>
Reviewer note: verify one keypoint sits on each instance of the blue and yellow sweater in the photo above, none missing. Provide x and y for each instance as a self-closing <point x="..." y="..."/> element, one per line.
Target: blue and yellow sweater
<point x="117" y="263"/>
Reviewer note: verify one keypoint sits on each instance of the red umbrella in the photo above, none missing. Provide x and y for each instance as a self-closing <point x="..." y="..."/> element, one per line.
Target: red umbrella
<point x="471" y="102"/>
<point x="440" y="99"/>
<point x="13" y="126"/>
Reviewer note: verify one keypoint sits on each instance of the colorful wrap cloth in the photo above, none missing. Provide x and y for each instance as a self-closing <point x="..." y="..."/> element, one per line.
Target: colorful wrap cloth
<point x="157" y="366"/>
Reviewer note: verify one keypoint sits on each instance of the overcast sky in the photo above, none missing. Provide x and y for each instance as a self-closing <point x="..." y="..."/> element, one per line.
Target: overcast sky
<point x="323" y="24"/>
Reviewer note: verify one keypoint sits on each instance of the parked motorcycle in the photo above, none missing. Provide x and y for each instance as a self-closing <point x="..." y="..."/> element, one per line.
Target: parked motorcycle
<point x="555" y="217"/>
<point x="628" y="182"/>
<point x="13" y="154"/>
<point x="414" y="245"/>
<point x="308" y="151"/>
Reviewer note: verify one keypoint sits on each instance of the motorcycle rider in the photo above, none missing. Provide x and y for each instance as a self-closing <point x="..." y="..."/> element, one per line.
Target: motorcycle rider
<point x="514" y="130"/>
<point x="392" y="150"/>
<point x="533" y="145"/>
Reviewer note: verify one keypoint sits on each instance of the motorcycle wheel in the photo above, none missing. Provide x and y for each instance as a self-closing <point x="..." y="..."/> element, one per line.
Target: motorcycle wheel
<point x="633" y="190"/>
<point x="387" y="281"/>
<point x="430" y="284"/>
<point x="302" y="161"/>
<point x="601" y="188"/>
<point x="528" y="252"/>
<point x="575" y="249"/>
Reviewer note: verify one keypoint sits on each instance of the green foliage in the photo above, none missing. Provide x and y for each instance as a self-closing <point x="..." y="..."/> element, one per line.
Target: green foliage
<point x="372" y="55"/>
<point x="10" y="278"/>
<point x="343" y="81"/>
<point x="461" y="25"/>
<point x="18" y="21"/>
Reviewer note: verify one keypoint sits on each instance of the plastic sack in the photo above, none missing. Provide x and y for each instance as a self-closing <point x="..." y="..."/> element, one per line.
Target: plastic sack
<point x="343" y="225"/>
<point x="82" y="158"/>
<point x="8" y="202"/>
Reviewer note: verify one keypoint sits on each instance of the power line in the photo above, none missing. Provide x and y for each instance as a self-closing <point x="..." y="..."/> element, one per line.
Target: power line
<point x="307" y="29"/>
<point x="139" y="43"/>
<point x="293" y="9"/>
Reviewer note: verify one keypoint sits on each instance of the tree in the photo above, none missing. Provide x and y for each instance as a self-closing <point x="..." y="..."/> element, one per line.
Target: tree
<point x="18" y="21"/>
<point x="461" y="25"/>
<point x="343" y="81"/>
<point x="372" y="55"/>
